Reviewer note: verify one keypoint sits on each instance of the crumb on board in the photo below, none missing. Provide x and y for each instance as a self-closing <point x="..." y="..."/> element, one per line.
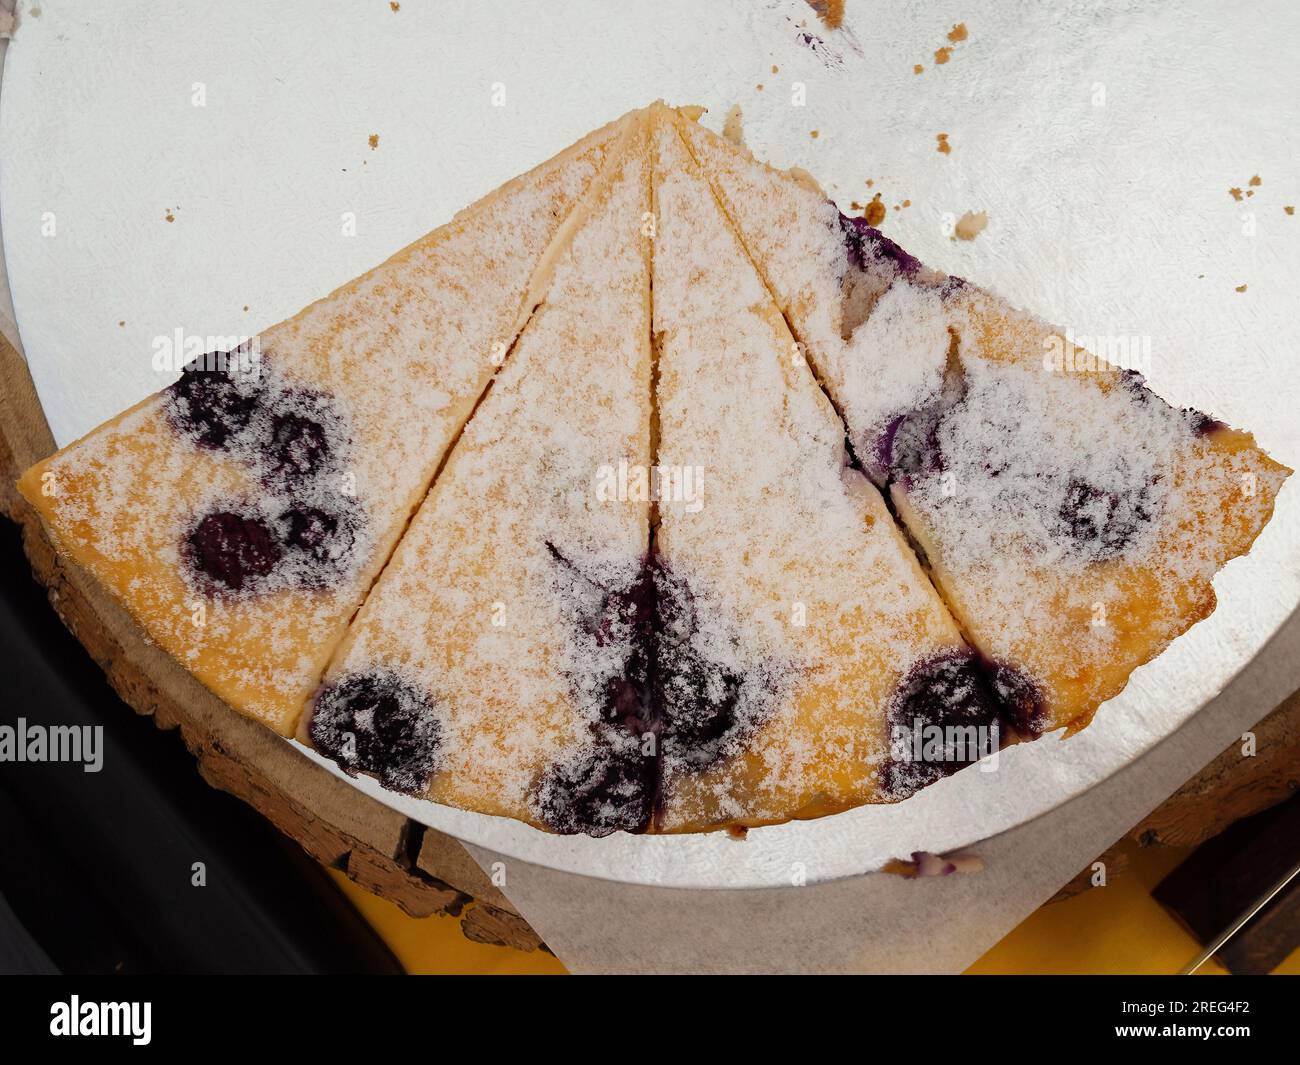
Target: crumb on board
<point x="830" y="12"/>
<point x="957" y="33"/>
<point x="1235" y="194"/>
<point x="169" y="216"/>
<point x="943" y="145"/>
<point x="941" y="56"/>
<point x="395" y="6"/>
<point x="875" y="212"/>
<point x="737" y="832"/>
<point x="122" y="323"/>
<point x="970" y="225"/>
<point x="923" y="863"/>
<point x="1289" y="209"/>
<point x="1256" y="181"/>
<point x="776" y="69"/>
<point x="374" y="140"/>
<point x="813" y="134"/>
<point x="918" y="69"/>
<point x="733" y="127"/>
<point x="1240" y="288"/>
<point x="759" y="86"/>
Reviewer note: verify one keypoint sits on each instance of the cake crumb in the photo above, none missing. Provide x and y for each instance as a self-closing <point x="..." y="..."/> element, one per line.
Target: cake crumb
<point x="943" y="145"/>
<point x="875" y="213"/>
<point x="776" y="69"/>
<point x="830" y="12"/>
<point x="169" y="216"/>
<point x="1289" y="209"/>
<point x="374" y="140"/>
<point x="395" y="6"/>
<point x="733" y="127"/>
<point x="813" y="134"/>
<point x="957" y="33"/>
<point x="122" y="323"/>
<point x="918" y="69"/>
<point x="870" y="182"/>
<point x="1240" y="288"/>
<point x="923" y="863"/>
<point x="941" y="56"/>
<point x="971" y="225"/>
<point x="759" y="86"/>
<point x="737" y="832"/>
<point x="1235" y="194"/>
<point x="1256" y="181"/>
<point x="907" y="203"/>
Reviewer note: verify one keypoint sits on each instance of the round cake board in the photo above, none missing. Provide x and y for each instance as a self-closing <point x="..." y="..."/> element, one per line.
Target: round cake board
<point x="236" y="177"/>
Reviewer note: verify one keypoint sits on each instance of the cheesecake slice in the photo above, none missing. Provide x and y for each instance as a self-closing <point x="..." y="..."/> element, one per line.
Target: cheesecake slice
<point x="241" y="514"/>
<point x="498" y="664"/>
<point x="1072" y="519"/>
<point x="798" y="635"/>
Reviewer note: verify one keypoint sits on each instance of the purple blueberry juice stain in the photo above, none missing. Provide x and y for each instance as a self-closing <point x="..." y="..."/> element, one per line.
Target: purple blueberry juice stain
<point x="868" y="246"/>
<point x="232" y="552"/>
<point x="378" y="724"/>
<point x="666" y="690"/>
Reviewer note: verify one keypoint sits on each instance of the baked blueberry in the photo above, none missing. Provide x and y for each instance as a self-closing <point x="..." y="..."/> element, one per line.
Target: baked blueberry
<point x="212" y="406"/>
<point x="1101" y="522"/>
<point x="375" y="723"/>
<point x="232" y="551"/>
<point x="321" y="541"/>
<point x="298" y="445"/>
<point x="1019" y="698"/>
<point x="303" y="438"/>
<point x="312" y="530"/>
<point x="942" y="717"/>
<point x="609" y="787"/>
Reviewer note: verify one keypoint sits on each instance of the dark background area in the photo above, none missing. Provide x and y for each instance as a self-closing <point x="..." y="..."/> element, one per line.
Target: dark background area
<point x="96" y="868"/>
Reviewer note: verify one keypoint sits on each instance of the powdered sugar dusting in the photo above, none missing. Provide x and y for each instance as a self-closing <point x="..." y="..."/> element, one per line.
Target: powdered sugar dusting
<point x="874" y="326"/>
<point x="514" y="557"/>
<point x="799" y="581"/>
<point x="1072" y="519"/>
<point x="357" y="398"/>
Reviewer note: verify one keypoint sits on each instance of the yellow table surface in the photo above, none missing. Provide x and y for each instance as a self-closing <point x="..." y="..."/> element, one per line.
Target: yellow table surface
<point x="1115" y="929"/>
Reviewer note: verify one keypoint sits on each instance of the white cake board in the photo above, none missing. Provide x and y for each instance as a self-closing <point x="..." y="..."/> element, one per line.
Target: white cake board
<point x="1101" y="143"/>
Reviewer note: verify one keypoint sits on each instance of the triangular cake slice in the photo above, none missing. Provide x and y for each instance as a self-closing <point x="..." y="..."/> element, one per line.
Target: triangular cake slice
<point x="799" y="633"/>
<point x="242" y="514"/>
<point x="496" y="665"/>
<point x="1071" y="518"/>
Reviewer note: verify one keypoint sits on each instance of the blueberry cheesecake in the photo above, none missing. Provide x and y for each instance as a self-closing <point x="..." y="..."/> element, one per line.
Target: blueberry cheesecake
<point x="1070" y="517"/>
<point x="241" y="514"/>
<point x="653" y="494"/>
<point x="798" y="632"/>
<point x="499" y="663"/>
